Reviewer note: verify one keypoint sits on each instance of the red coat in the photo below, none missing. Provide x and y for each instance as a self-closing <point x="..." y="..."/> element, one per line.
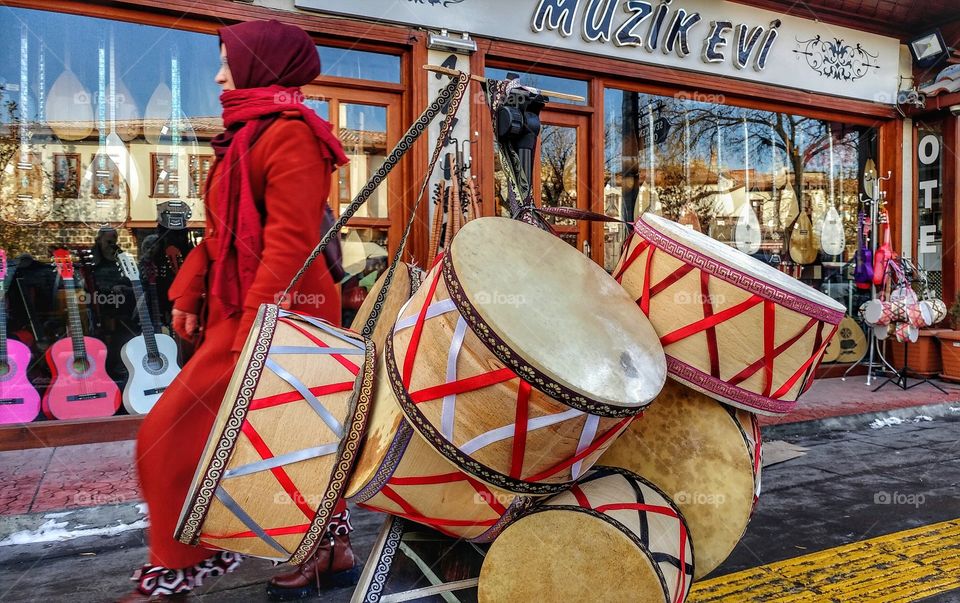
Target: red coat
<point x="290" y="177"/>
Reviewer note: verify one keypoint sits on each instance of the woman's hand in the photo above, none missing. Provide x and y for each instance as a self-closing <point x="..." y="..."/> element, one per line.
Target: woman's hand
<point x="185" y="324"/>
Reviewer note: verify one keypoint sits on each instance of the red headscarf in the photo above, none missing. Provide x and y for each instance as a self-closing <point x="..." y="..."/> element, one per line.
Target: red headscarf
<point x="269" y="61"/>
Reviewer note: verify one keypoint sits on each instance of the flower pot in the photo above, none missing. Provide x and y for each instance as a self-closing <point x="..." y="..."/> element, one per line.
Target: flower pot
<point x="923" y="357"/>
<point x="950" y="353"/>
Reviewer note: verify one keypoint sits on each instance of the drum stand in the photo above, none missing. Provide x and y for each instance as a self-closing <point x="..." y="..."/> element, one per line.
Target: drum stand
<point x="899" y="378"/>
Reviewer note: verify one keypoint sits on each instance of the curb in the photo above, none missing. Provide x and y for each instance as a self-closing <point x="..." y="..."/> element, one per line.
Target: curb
<point x="860" y="421"/>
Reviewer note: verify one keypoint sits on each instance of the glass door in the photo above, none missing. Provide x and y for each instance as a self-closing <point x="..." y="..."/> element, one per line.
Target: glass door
<point x="562" y="178"/>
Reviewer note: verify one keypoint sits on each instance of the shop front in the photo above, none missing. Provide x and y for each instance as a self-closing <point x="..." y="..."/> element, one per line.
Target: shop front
<point x="776" y="134"/>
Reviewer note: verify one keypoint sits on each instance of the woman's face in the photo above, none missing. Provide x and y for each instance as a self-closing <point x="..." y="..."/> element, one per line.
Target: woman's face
<point x="224" y="78"/>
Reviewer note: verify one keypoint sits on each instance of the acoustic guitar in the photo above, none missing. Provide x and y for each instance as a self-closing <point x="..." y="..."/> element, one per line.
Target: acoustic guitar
<point x="19" y="401"/>
<point x="849" y="344"/>
<point x="803" y="240"/>
<point x="150" y="358"/>
<point x="81" y="388"/>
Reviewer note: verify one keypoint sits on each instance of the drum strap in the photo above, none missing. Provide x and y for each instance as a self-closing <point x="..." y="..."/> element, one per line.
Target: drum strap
<point x="448" y="100"/>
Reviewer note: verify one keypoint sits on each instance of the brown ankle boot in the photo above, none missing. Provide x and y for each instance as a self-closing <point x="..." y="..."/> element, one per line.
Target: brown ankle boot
<point x="332" y="565"/>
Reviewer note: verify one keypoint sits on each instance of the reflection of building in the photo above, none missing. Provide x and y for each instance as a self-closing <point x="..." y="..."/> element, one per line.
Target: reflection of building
<point x="664" y="128"/>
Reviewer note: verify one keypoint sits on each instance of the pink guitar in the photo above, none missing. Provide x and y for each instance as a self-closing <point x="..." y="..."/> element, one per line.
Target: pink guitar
<point x="81" y="388"/>
<point x="19" y="401"/>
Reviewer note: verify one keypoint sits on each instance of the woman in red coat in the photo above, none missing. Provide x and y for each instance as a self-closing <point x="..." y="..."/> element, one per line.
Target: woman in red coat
<point x="265" y="207"/>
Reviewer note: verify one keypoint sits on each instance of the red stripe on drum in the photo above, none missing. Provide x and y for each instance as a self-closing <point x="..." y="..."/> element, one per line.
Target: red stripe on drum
<point x="769" y="332"/>
<point x="803" y="368"/>
<point x="460" y="386"/>
<point x="753" y="368"/>
<point x="640" y="248"/>
<point x="417" y="332"/>
<point x="712" y="348"/>
<point x="347" y="364"/>
<point x="294" y="396"/>
<point x="705" y="323"/>
<point x="278" y="472"/>
<point x="520" y="435"/>
<point x="613" y="431"/>
<point x="282" y="531"/>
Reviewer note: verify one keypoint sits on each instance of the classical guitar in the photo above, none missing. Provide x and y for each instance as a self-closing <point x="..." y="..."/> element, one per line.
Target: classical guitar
<point x="19" y="401"/>
<point x="80" y="388"/>
<point x="803" y="241"/>
<point x="150" y="358"/>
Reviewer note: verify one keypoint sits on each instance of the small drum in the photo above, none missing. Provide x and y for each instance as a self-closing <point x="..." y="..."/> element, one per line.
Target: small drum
<point x="706" y="457"/>
<point x="612" y="537"/>
<point x="411" y="563"/>
<point x="284" y="441"/>
<point x="406" y="280"/>
<point x="876" y="312"/>
<point x="398" y="472"/>
<point x="731" y="326"/>
<point x="936" y="308"/>
<point x="519" y="370"/>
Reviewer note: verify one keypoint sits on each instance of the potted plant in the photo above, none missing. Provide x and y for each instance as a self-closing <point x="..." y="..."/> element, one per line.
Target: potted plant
<point x="950" y="344"/>
<point x="923" y="357"/>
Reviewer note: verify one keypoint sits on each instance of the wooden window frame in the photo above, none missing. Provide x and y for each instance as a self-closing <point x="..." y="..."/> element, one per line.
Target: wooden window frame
<point x="198" y="177"/>
<point x="76" y="175"/>
<point x="93" y="181"/>
<point x="154" y="174"/>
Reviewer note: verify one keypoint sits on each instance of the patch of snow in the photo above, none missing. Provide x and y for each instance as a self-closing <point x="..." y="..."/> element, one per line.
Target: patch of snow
<point x="881" y="423"/>
<point x="922" y="418"/>
<point x="56" y="515"/>
<point x="142" y="507"/>
<point x="53" y="531"/>
<point x="955" y="408"/>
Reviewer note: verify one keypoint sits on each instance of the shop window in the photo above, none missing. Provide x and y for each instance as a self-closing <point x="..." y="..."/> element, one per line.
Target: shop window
<point x="747" y="177"/>
<point x="104" y="176"/>
<point x="165" y="175"/>
<point x="363" y="133"/>
<point x="199" y="170"/>
<point x="929" y="162"/>
<point x="544" y="82"/>
<point x="359" y="64"/>
<point x="365" y="258"/>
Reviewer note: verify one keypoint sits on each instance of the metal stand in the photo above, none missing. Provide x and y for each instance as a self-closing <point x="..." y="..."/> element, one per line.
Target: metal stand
<point x="899" y="378"/>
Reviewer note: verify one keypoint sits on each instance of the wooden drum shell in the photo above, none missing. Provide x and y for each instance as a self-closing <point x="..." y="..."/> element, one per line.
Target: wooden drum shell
<point x="399" y="473"/>
<point x="275" y="466"/>
<point x="768" y="335"/>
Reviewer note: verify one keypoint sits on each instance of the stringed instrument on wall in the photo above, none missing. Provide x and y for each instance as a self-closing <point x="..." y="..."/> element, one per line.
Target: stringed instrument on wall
<point x="81" y="388"/>
<point x="150" y="358"/>
<point x="19" y="400"/>
<point x="848" y="345"/>
<point x="803" y="241"/>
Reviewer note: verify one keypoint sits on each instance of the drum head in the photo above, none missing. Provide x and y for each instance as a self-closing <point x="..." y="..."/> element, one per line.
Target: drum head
<point x="740" y="261"/>
<point x="558" y="310"/>
<point x="567" y="555"/>
<point x="691" y="447"/>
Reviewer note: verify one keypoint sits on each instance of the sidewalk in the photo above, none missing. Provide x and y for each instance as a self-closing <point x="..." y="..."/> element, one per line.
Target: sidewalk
<point x="61" y="503"/>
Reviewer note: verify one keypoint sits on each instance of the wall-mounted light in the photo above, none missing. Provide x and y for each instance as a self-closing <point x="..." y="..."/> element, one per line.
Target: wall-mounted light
<point x="928" y="49"/>
<point x="443" y="41"/>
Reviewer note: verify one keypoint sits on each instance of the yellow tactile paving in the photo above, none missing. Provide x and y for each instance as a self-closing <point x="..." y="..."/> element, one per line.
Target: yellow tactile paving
<point x="896" y="568"/>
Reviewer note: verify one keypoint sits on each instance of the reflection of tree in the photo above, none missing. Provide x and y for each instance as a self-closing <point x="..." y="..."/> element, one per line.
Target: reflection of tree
<point x="23" y="177"/>
<point x="558" y="165"/>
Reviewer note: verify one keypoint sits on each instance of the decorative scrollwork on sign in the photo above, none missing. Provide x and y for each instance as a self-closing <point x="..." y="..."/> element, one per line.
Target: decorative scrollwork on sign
<point x="836" y="60"/>
<point x="444" y="3"/>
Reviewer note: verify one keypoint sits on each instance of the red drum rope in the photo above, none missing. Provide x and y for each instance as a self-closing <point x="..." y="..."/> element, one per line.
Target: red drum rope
<point x="294" y="396"/>
<point x="278" y="472"/>
<point x="347" y="364"/>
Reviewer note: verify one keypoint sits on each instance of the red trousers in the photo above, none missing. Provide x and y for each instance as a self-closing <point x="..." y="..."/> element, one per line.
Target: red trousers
<point x="172" y="438"/>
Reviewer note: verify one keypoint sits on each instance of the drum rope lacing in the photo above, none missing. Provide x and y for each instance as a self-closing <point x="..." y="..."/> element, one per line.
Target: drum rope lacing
<point x="710" y="320"/>
<point x="524" y="424"/>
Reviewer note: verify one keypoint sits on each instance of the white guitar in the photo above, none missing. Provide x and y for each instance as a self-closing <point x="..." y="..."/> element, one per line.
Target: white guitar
<point x="150" y="358"/>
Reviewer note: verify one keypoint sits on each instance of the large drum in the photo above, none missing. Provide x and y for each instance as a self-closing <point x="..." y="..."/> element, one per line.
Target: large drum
<point x="731" y="326"/>
<point x="613" y="537"/>
<point x="519" y="359"/>
<point x="284" y="441"/>
<point x="398" y="472"/>
<point x="706" y="457"/>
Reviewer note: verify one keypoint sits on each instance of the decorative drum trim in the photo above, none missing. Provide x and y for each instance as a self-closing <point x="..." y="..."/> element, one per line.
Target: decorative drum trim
<point x="450" y="451"/>
<point x="519" y="365"/>
<point x="189" y="529"/>
<point x="729" y="394"/>
<point x="735" y="277"/>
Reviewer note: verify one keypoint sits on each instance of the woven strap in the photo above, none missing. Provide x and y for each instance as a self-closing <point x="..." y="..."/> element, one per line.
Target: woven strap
<point x="449" y="98"/>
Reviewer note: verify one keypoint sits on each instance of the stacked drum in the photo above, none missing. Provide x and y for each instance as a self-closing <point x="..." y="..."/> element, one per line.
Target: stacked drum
<point x="518" y="395"/>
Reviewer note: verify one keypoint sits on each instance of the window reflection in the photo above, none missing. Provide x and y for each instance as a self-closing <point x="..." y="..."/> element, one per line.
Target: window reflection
<point x="363" y="132"/>
<point x="343" y="62"/>
<point x="544" y="82"/>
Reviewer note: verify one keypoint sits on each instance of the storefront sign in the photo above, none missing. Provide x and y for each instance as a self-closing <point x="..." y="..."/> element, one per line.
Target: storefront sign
<point x="710" y="36"/>
<point x="929" y="196"/>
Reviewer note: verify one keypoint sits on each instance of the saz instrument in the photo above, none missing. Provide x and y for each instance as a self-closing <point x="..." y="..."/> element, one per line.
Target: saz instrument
<point x="849" y="345"/>
<point x="81" y="388"/>
<point x="150" y="358"/>
<point x="803" y="239"/>
<point x="19" y="400"/>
